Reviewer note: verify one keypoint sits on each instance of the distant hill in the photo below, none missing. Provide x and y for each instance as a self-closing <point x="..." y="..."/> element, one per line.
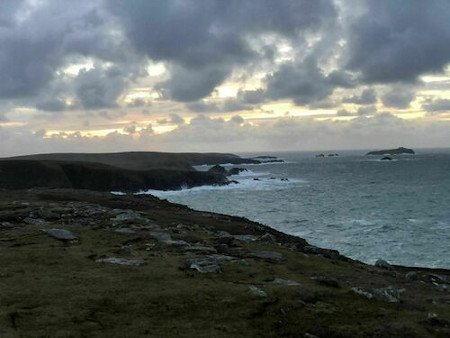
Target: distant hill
<point x="397" y="151"/>
<point x="128" y="172"/>
<point x="144" y="160"/>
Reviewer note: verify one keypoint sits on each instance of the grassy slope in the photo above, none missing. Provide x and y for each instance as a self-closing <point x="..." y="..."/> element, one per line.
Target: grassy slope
<point x="49" y="288"/>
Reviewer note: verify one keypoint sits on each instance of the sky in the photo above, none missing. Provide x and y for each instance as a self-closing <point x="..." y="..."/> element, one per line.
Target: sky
<point x="228" y="76"/>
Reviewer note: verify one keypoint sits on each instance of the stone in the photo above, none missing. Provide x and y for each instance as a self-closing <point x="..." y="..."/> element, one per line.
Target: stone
<point x="388" y="294"/>
<point x="328" y="253"/>
<point x="246" y="238"/>
<point x="224" y="237"/>
<point x="257" y="292"/>
<point x="268" y="238"/>
<point x="270" y="256"/>
<point x="285" y="282"/>
<point x="35" y="221"/>
<point x="204" y="264"/>
<point x="61" y="234"/>
<point x="121" y="261"/>
<point x="412" y="276"/>
<point x="125" y="231"/>
<point x="381" y="263"/>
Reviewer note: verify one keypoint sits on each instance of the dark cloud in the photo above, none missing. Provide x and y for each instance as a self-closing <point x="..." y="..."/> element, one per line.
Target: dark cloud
<point x="398" y="97"/>
<point x="204" y="40"/>
<point x="303" y="82"/>
<point x="367" y="96"/>
<point x="436" y="106"/>
<point x="399" y="40"/>
<point x="188" y="85"/>
<point x="99" y="88"/>
<point x="237" y="119"/>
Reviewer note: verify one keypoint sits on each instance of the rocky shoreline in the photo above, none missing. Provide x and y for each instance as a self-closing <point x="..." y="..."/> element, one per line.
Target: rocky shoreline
<point x="84" y="263"/>
<point x="127" y="172"/>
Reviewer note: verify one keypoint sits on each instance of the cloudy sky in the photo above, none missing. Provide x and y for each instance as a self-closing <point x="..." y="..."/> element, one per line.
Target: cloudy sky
<point x="213" y="75"/>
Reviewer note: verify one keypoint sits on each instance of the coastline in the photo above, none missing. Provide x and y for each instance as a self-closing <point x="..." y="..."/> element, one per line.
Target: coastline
<point x="152" y="253"/>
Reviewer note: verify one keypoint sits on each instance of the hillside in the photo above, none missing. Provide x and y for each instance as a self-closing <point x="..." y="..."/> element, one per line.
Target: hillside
<point x="143" y="160"/>
<point x="89" y="264"/>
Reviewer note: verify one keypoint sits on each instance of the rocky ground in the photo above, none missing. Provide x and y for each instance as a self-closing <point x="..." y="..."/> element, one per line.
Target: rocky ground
<point x="78" y="263"/>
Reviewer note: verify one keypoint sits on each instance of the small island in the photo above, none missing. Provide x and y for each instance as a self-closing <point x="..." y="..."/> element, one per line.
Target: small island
<point x="397" y="151"/>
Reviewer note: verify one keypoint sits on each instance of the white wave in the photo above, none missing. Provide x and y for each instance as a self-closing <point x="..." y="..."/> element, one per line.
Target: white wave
<point x="250" y="173"/>
<point x="244" y="184"/>
<point x="118" y="193"/>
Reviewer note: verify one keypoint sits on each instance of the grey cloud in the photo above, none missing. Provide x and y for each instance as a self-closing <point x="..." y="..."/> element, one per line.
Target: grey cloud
<point x="99" y="88"/>
<point x="366" y="110"/>
<point x="304" y="83"/>
<point x="237" y="119"/>
<point x="436" y="106"/>
<point x="252" y="96"/>
<point x="399" y="40"/>
<point x="188" y="84"/>
<point x="176" y="119"/>
<point x="204" y="40"/>
<point x="344" y="112"/>
<point x="367" y="96"/>
<point x="398" y="97"/>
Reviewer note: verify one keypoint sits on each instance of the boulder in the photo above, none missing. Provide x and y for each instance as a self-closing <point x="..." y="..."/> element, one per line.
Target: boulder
<point x="257" y="292"/>
<point x="120" y="261"/>
<point x="381" y="263"/>
<point x="61" y="234"/>
<point x="217" y="169"/>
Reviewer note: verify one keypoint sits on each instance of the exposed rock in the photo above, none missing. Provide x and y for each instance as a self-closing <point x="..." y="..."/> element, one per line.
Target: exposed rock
<point x="121" y="261"/>
<point x="320" y="251"/>
<point x="270" y="256"/>
<point x="268" y="238"/>
<point x="224" y="237"/>
<point x="285" y="282"/>
<point x="61" y="234"/>
<point x="384" y="294"/>
<point x="34" y="221"/>
<point x="246" y="238"/>
<point x="125" y="231"/>
<point x="381" y="263"/>
<point x="257" y="292"/>
<point x="434" y="320"/>
<point x="386" y="158"/>
<point x="204" y="264"/>
<point x="236" y="171"/>
<point x="217" y="169"/>
<point x="412" y="275"/>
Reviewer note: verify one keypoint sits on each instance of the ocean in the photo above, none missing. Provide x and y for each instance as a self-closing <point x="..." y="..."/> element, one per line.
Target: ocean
<point x="366" y="208"/>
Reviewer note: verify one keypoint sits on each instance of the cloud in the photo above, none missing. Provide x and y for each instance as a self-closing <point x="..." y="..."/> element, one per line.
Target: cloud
<point x="99" y="88"/>
<point x="367" y="96"/>
<point x="436" y="106"/>
<point x="398" y="41"/>
<point x="398" y="97"/>
<point x="366" y="110"/>
<point x="204" y="41"/>
<point x="303" y="82"/>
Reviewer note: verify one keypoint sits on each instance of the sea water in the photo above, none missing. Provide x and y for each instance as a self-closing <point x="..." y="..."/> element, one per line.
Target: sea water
<point x="366" y="208"/>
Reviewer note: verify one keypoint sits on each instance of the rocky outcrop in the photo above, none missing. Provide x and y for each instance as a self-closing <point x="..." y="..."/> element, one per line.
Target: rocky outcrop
<point x="397" y="151"/>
